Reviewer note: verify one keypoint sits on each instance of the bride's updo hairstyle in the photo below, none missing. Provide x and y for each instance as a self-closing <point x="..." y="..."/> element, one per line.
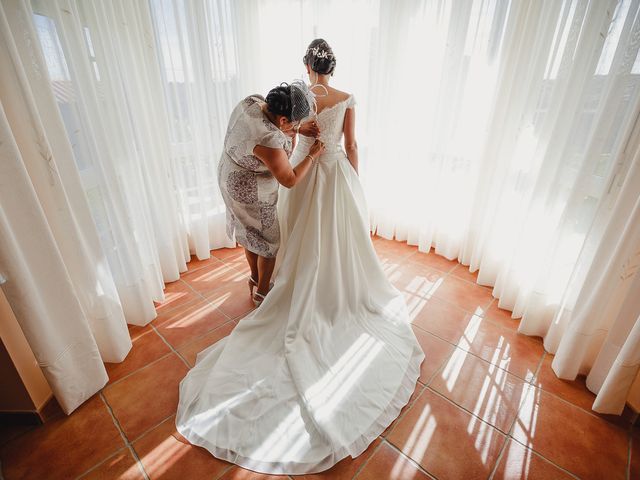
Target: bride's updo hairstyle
<point x="320" y="57"/>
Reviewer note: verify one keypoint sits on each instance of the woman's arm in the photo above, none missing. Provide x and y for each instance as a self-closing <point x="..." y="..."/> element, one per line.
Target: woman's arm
<point x="350" y="144"/>
<point x="278" y="164"/>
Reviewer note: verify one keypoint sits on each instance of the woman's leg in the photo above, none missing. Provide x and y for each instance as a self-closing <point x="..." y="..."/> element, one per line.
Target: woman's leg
<point x="252" y="260"/>
<point x="265" y="270"/>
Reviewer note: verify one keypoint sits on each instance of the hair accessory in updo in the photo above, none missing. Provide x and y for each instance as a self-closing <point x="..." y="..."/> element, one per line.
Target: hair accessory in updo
<point x="320" y="57"/>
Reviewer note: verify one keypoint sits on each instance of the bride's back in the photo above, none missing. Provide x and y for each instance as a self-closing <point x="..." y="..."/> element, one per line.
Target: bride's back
<point x="327" y="97"/>
<point x="331" y="112"/>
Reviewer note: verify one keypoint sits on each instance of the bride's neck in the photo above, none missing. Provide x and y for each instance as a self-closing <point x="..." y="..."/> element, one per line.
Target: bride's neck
<point x="320" y="80"/>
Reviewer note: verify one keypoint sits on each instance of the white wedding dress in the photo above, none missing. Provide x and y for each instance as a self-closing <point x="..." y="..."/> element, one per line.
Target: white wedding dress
<point x="327" y="361"/>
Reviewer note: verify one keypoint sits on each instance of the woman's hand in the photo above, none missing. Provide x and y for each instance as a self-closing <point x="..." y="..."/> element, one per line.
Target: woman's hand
<point x="316" y="149"/>
<point x="309" y="129"/>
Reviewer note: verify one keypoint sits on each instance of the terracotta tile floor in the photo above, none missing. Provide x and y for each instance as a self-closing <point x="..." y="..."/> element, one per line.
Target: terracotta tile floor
<point x="487" y="404"/>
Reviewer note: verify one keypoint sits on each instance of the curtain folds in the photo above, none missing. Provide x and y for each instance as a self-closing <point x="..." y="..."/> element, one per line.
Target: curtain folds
<point x="505" y="156"/>
<point x="102" y="60"/>
<point x="598" y="334"/>
<point x="58" y="280"/>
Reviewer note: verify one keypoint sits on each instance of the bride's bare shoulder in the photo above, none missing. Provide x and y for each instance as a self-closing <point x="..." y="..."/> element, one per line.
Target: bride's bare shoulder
<point x="340" y="95"/>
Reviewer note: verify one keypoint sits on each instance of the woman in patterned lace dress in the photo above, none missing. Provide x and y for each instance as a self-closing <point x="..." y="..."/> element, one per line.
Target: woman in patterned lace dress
<point x="259" y="140"/>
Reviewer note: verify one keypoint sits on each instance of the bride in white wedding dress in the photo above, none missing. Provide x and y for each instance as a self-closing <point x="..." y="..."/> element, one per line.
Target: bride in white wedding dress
<point x="328" y="360"/>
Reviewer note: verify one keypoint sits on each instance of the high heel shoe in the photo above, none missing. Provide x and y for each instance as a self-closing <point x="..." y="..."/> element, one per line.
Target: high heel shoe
<point x="258" y="298"/>
<point x="252" y="284"/>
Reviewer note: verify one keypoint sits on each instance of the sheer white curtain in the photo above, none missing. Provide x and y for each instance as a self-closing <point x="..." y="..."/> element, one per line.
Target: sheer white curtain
<point x="499" y="129"/>
<point x="54" y="272"/>
<point x="597" y="331"/>
<point x="105" y="74"/>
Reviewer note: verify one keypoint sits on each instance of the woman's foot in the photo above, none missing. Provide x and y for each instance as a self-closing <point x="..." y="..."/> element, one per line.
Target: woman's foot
<point x="253" y="284"/>
<point x="258" y="298"/>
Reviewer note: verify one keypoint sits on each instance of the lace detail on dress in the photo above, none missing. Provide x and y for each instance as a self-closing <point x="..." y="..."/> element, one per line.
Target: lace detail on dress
<point x="331" y="122"/>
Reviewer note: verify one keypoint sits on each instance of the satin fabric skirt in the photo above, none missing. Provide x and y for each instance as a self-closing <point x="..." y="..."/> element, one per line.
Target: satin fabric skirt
<point x="327" y="361"/>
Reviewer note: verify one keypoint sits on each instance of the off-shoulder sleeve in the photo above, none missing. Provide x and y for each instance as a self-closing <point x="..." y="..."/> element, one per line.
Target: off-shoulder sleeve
<point x="351" y="101"/>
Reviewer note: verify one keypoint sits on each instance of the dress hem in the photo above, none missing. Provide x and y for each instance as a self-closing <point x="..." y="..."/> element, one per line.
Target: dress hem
<point x="356" y="448"/>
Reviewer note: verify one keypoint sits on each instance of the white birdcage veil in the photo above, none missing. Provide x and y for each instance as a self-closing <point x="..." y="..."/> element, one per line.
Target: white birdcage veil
<point x="303" y="103"/>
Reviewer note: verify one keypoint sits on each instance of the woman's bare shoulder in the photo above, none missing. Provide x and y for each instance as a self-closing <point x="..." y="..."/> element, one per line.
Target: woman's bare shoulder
<point x="340" y="95"/>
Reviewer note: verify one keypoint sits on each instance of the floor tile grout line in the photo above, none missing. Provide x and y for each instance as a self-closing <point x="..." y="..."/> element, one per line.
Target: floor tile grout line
<point x="116" y="422"/>
<point x="441" y="367"/>
<point x="212" y="259"/>
<point x="187" y="305"/>
<point x="548" y="460"/>
<point x="208" y="300"/>
<point x="502" y="432"/>
<point x="361" y="467"/>
<point x="429" y="295"/>
<point x="531" y="391"/>
<point x="101" y="462"/>
<point x="404" y="260"/>
<point x="217" y="261"/>
<point x="456" y="346"/>
<point x="172" y="348"/>
<point x="169" y="311"/>
<point x="221" y="262"/>
<point x="538" y="368"/>
<point x="199" y="337"/>
<point x="499" y="459"/>
<point x="449" y="273"/>
<point x="153" y="427"/>
<point x="143" y="367"/>
<point x="506" y="435"/>
<point x="511" y="436"/>
<point x="139" y="462"/>
<point x="394" y="423"/>
<point x="555" y="395"/>
<point x="204" y="263"/>
<point x="424" y="387"/>
<point x="409" y="459"/>
<point x="588" y="412"/>
<point x="457" y="262"/>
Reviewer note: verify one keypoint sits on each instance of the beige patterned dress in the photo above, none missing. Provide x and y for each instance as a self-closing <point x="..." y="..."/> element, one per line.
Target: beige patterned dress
<point x="248" y="188"/>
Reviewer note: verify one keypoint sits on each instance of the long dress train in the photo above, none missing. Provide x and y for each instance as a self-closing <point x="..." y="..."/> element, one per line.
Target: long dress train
<point x="328" y="360"/>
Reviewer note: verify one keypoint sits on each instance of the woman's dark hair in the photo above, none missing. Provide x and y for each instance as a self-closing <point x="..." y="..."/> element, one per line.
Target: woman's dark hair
<point x="283" y="100"/>
<point x="320" y="57"/>
<point x="279" y="100"/>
